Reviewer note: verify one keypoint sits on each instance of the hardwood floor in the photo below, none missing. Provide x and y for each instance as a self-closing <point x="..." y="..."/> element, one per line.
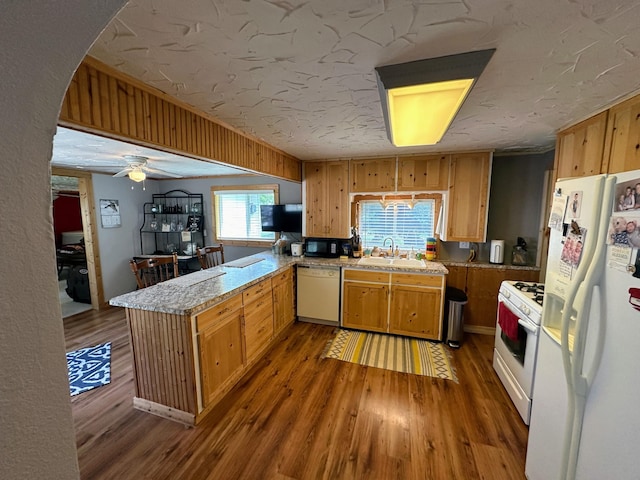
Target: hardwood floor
<point x="297" y="416"/>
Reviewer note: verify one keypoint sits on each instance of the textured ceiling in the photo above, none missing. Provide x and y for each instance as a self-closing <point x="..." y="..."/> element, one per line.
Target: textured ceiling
<point x="79" y="150"/>
<point x="300" y="74"/>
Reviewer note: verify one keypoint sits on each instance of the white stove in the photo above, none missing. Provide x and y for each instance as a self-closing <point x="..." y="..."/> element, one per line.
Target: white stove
<point x="516" y="341"/>
<point x="526" y="297"/>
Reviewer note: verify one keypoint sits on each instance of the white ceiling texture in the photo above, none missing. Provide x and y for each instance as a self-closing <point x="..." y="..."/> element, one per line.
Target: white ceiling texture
<point x="300" y="74"/>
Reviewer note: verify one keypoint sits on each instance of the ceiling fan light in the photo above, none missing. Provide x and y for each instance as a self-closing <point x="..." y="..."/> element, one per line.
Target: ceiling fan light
<point x="137" y="175"/>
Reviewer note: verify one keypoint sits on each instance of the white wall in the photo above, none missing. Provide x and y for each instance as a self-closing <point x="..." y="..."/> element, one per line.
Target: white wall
<point x="119" y="245"/>
<point x="42" y="44"/>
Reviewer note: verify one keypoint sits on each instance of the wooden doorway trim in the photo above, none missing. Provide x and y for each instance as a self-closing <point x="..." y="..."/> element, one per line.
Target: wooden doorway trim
<point x="90" y="232"/>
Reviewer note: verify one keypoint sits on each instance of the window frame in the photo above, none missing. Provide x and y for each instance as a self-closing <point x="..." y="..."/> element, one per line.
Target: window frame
<point x="274" y="187"/>
<point x="437" y="197"/>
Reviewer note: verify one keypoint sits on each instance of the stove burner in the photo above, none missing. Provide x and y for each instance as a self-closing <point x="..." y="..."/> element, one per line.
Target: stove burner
<point x="535" y="289"/>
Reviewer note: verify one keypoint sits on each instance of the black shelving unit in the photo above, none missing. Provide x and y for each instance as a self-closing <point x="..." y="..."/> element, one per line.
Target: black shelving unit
<point x="173" y="222"/>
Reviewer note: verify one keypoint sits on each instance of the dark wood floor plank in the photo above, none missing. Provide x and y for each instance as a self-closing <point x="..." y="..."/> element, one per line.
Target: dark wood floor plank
<point x="297" y="415"/>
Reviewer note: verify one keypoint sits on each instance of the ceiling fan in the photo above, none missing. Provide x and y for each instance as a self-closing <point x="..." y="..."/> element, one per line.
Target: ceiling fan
<point x="137" y="169"/>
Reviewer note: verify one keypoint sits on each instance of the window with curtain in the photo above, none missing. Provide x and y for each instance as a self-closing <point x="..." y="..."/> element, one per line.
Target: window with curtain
<point x="237" y="213"/>
<point x="409" y="227"/>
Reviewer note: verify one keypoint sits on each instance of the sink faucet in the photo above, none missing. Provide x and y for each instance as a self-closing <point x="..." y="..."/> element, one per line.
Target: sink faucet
<point x="385" y="241"/>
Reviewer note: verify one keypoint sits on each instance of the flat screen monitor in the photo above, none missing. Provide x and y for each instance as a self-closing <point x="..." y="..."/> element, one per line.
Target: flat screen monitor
<point x="281" y="218"/>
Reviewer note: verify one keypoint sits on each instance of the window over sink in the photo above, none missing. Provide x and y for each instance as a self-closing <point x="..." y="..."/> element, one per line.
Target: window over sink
<point x="408" y="219"/>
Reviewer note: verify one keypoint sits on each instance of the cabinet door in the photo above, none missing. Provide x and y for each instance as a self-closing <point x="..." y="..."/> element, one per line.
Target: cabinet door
<point x="482" y="292"/>
<point x="337" y="200"/>
<point x="373" y="175"/>
<point x="416" y="311"/>
<point x="365" y="306"/>
<point x="423" y="172"/>
<point x="468" y="197"/>
<point x="283" y="301"/>
<point x="315" y="200"/>
<point x="326" y="186"/>
<point x="220" y="354"/>
<point x="623" y="137"/>
<point x="579" y="149"/>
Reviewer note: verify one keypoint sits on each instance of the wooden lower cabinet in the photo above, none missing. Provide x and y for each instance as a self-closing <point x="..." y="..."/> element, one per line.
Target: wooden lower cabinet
<point x="284" y="305"/>
<point x="185" y="364"/>
<point x="258" y="318"/>
<point x="397" y="303"/>
<point x="365" y="306"/>
<point x="416" y="311"/>
<point x="221" y="355"/>
<point x="481" y="284"/>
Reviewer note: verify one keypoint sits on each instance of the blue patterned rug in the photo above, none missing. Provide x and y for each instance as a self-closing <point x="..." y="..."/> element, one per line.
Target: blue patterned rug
<point x="89" y="368"/>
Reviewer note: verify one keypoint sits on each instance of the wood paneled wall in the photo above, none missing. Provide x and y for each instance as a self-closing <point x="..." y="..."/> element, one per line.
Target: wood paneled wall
<point x="102" y="100"/>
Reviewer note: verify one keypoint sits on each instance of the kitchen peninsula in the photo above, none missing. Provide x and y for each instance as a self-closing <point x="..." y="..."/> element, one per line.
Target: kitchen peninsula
<point x="193" y="337"/>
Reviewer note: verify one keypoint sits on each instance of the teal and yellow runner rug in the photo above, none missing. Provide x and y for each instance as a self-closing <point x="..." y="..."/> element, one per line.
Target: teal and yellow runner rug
<point x="89" y="368"/>
<point x="391" y="352"/>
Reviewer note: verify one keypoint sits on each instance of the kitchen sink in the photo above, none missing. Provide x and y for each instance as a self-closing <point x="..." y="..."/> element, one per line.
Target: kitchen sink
<point x="392" y="262"/>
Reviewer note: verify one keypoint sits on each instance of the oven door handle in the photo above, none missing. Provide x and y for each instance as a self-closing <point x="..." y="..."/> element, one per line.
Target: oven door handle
<point x="532" y="329"/>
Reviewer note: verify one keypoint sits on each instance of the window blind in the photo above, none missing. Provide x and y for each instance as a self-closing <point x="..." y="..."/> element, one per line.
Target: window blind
<point x="409" y="227"/>
<point x="238" y="214"/>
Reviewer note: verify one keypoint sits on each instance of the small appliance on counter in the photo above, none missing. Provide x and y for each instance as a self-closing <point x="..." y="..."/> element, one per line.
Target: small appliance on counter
<point x="296" y="249"/>
<point x="323" y="247"/>
<point x="497" y="252"/>
<point x="519" y="253"/>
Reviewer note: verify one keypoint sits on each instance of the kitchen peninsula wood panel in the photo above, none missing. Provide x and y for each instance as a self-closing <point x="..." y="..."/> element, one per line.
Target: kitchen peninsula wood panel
<point x="579" y="149"/>
<point x="103" y="100"/>
<point x="164" y="372"/>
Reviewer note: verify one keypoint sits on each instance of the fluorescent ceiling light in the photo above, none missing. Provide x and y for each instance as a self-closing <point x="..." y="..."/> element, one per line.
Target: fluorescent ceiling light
<point x="420" y="99"/>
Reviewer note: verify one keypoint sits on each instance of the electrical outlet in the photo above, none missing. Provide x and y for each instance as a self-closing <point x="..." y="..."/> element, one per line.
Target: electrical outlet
<point x="464" y="244"/>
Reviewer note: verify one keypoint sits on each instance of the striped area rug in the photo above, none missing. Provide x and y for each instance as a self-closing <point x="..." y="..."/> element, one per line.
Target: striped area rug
<point x="401" y="354"/>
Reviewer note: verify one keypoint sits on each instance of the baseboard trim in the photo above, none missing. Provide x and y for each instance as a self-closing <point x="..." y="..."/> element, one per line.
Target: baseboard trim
<point x="480" y="330"/>
<point x="164" y="411"/>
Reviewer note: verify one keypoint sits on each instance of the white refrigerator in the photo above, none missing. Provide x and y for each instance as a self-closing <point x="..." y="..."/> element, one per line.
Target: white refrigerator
<point x="585" y="419"/>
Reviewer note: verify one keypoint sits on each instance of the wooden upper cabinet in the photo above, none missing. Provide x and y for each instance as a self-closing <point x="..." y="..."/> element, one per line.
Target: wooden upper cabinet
<point x="423" y="172"/>
<point x="622" y="151"/>
<point x="373" y="175"/>
<point x="579" y="149"/>
<point x="468" y="197"/>
<point x="326" y="189"/>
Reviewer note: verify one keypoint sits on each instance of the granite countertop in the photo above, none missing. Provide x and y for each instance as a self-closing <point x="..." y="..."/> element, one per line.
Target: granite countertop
<point x="480" y="264"/>
<point x="197" y="291"/>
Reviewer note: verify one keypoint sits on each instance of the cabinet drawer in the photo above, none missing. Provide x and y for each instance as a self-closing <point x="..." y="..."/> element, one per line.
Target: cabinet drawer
<point x="259" y="289"/>
<point x="219" y="311"/>
<point x="282" y="277"/>
<point x="259" y="308"/>
<point x="366" y="276"/>
<point x="417" y="279"/>
<point x="258" y="329"/>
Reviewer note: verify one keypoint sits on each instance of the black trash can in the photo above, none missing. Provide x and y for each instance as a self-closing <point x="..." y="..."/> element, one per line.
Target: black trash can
<point x="455" y="299"/>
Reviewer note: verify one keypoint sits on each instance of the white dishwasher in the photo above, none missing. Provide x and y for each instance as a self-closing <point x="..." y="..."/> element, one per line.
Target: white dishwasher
<point x="319" y="294"/>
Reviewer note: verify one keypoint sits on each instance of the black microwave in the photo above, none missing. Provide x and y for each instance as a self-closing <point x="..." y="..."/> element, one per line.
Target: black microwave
<point x="323" y="247"/>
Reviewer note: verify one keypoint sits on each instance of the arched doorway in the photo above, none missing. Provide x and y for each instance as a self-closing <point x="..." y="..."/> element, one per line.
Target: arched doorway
<point x="43" y="43"/>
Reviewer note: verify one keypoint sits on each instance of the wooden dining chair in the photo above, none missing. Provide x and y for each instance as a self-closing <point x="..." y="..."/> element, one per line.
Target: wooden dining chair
<point x="211" y="256"/>
<point x="150" y="271"/>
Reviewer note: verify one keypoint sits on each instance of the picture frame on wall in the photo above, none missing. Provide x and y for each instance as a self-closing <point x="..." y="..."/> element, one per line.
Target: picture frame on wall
<point x="110" y="213"/>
